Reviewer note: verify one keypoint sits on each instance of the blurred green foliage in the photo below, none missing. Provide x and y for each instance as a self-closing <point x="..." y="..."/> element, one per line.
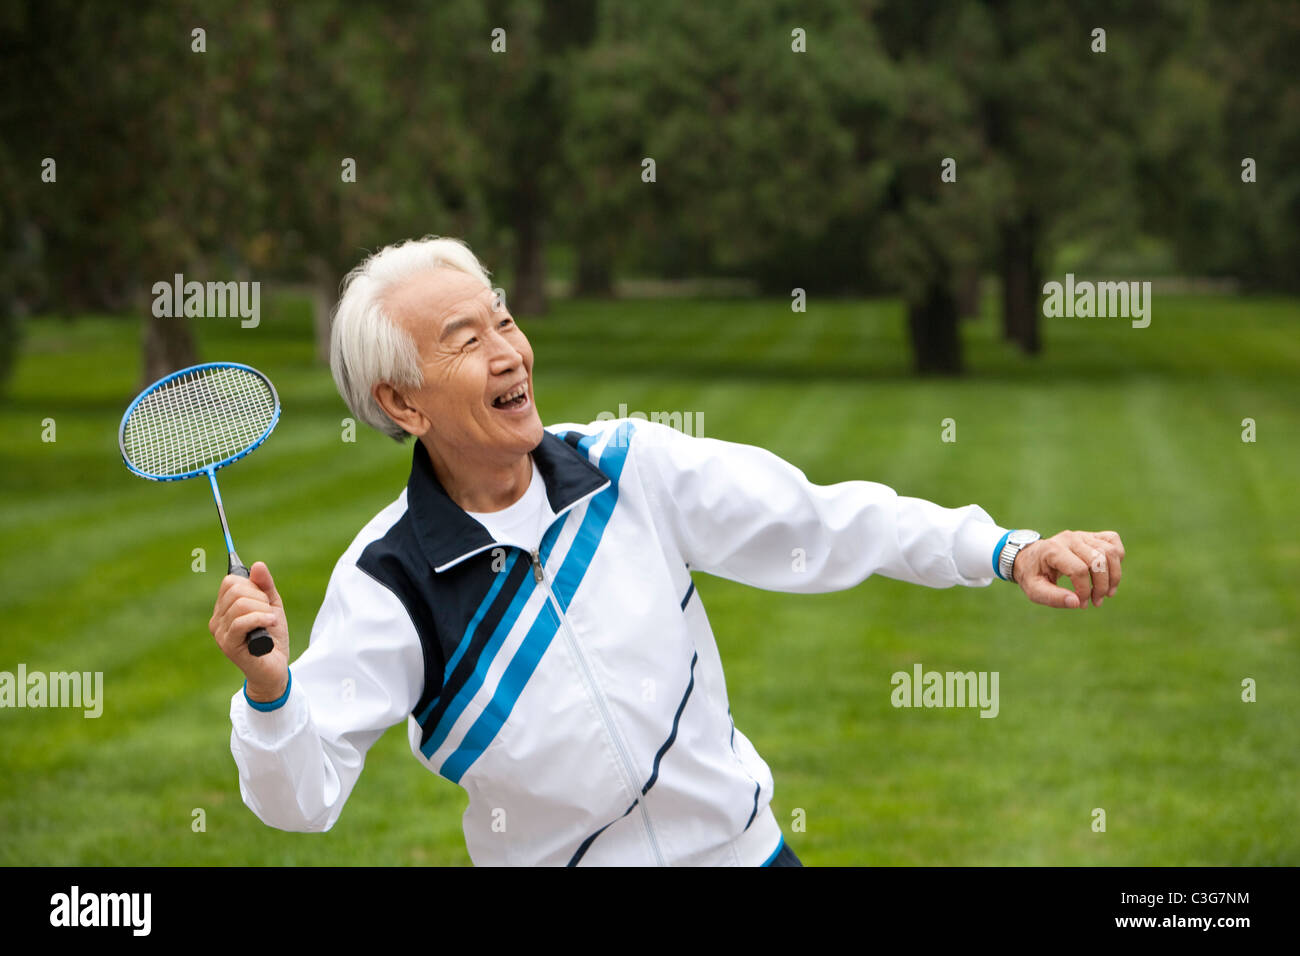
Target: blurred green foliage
<point x="792" y="147"/>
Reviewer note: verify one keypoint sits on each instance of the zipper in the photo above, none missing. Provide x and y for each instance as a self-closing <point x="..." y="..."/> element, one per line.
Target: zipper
<point x="497" y="544"/>
<point x="594" y="690"/>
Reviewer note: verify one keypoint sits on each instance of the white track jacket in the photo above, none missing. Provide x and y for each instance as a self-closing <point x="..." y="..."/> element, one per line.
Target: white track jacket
<point x="575" y="690"/>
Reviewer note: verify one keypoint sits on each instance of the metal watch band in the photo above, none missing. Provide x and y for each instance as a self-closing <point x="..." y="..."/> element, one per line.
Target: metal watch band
<point x="1016" y="541"/>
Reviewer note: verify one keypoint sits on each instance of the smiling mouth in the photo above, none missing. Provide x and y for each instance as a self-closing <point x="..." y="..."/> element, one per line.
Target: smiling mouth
<point x="515" y="399"/>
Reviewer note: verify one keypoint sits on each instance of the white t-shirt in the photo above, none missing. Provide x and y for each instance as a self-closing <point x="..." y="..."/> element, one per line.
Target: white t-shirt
<point x="525" y="521"/>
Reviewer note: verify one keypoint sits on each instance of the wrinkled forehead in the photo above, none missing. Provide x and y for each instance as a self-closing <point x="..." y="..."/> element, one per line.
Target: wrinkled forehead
<point x="424" y="302"/>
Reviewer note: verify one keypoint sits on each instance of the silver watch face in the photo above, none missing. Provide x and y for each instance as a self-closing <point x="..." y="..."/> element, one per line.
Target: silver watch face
<point x="1023" y="537"/>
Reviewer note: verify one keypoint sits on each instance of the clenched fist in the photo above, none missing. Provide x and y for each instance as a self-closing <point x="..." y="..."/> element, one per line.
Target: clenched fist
<point x="1090" y="559"/>
<point x="243" y="604"/>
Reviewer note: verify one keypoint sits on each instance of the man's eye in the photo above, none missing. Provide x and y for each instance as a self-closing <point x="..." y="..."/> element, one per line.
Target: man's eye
<point x="469" y="342"/>
<point x="505" y="322"/>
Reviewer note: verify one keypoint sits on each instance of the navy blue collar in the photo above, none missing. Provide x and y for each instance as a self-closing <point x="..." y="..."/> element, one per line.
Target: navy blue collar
<point x="448" y="535"/>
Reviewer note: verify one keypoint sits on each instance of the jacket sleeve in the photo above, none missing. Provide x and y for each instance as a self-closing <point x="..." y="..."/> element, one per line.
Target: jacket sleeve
<point x="741" y="512"/>
<point x="361" y="673"/>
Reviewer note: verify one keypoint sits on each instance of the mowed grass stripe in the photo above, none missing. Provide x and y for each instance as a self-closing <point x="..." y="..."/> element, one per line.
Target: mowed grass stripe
<point x="1136" y="709"/>
<point x="120" y="555"/>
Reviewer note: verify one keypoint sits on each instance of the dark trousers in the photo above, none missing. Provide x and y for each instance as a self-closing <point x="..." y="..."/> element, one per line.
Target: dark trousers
<point x="786" y="857"/>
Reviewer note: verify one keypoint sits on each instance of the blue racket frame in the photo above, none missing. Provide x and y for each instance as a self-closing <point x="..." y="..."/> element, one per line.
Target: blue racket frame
<point x="121" y="429"/>
<point x="259" y="641"/>
<point x="209" y="470"/>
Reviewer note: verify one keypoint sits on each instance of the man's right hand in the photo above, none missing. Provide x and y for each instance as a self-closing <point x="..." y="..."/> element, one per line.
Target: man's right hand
<point x="243" y="604"/>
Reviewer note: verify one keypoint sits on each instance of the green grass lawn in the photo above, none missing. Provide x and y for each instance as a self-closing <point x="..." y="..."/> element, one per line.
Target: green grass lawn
<point x="1134" y="708"/>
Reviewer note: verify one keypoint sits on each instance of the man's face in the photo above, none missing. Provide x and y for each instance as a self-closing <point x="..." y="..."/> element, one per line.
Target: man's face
<point x="473" y="356"/>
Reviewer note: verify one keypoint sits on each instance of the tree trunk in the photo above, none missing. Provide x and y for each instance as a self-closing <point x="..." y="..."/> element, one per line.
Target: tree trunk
<point x="529" y="294"/>
<point x="324" y="296"/>
<point x="168" y="345"/>
<point x="9" y="331"/>
<point x="968" y="293"/>
<point x="932" y="323"/>
<point x="595" y="273"/>
<point x="1022" y="283"/>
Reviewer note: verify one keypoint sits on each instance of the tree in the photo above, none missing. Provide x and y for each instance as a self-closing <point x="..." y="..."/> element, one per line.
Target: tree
<point x="363" y="138"/>
<point x="1229" y="96"/>
<point x="764" y="142"/>
<point x="941" y="210"/>
<point x="1056" y="125"/>
<point x="1063" y="119"/>
<point x="513" y="98"/>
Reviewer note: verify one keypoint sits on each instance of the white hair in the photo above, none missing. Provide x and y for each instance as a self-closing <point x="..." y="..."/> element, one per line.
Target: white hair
<point x="366" y="346"/>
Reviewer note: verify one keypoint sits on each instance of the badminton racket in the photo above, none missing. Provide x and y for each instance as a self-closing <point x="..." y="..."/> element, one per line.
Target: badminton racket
<point x="195" y="421"/>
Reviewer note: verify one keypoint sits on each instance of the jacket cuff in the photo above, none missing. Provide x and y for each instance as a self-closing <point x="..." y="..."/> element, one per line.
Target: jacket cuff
<point x="270" y="705"/>
<point x="975" y="551"/>
<point x="269" y="730"/>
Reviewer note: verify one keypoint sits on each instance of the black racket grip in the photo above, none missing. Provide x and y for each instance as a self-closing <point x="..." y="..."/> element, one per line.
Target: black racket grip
<point x="260" y="643"/>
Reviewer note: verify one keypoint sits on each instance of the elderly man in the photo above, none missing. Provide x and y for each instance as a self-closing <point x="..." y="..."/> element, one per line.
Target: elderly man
<point x="526" y="602"/>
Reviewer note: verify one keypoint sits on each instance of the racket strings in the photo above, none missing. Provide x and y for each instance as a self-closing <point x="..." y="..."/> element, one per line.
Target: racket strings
<point x="198" y="419"/>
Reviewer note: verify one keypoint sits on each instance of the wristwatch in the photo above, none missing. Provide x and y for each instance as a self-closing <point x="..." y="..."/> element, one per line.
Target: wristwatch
<point x="1016" y="540"/>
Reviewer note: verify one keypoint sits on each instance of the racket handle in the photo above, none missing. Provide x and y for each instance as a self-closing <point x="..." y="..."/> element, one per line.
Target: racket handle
<point x="260" y="643"/>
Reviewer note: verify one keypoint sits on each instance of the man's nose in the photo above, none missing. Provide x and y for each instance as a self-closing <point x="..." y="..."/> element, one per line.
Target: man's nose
<point x="505" y="355"/>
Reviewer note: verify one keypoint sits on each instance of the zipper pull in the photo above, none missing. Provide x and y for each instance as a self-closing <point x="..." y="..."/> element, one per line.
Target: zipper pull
<point x="537" y="567"/>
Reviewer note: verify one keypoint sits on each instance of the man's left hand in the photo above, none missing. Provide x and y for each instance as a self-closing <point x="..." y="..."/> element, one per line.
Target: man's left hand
<point x="1090" y="559"/>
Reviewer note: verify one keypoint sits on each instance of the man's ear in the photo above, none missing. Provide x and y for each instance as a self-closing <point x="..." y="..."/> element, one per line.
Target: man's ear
<point x="399" y="410"/>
